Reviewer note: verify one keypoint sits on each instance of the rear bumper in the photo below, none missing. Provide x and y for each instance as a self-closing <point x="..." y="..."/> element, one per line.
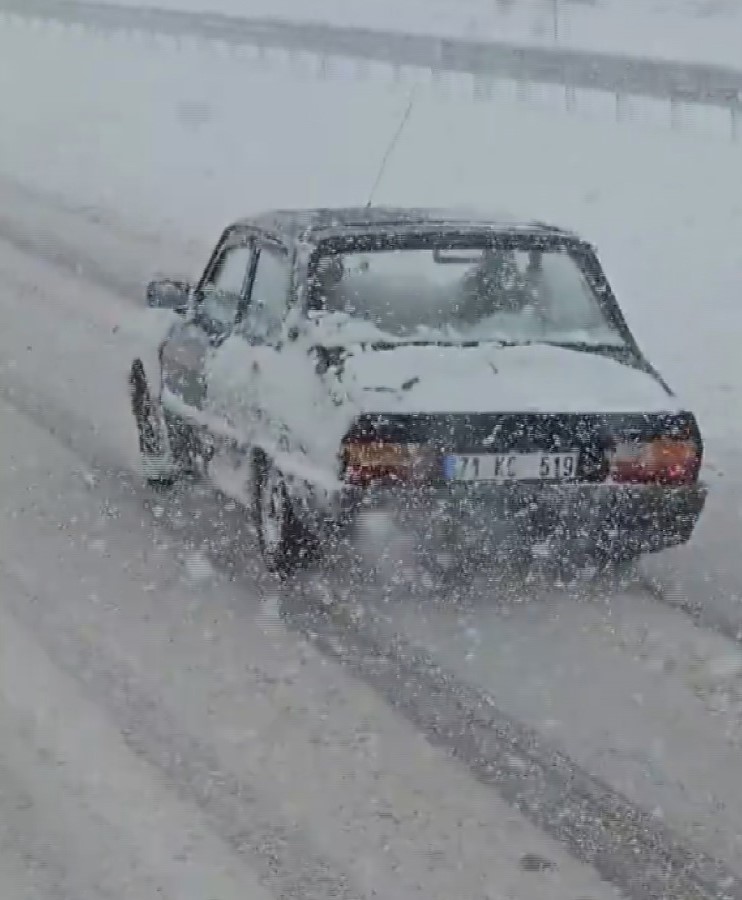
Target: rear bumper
<point x="639" y="519"/>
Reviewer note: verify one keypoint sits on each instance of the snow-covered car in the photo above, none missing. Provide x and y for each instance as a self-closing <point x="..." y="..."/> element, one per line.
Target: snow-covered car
<point x="469" y="376"/>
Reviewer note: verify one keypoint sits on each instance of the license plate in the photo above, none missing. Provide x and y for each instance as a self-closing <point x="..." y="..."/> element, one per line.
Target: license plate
<point x="510" y="466"/>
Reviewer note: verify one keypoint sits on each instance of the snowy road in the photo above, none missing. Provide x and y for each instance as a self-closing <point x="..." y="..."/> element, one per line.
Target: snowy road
<point x="175" y="726"/>
<point x="167" y="725"/>
<point x="165" y="734"/>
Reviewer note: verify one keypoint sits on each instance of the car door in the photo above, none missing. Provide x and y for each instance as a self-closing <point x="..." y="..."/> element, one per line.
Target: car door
<point x="215" y="306"/>
<point x="268" y="388"/>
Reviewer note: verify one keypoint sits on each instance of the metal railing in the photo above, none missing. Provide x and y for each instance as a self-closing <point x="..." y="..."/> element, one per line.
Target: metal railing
<point x="623" y="76"/>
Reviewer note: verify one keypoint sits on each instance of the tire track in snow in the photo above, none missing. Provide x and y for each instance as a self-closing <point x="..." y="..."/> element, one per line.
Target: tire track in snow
<point x="324" y="756"/>
<point x="659" y="584"/>
<point x="630" y="849"/>
<point x="287" y="866"/>
<point x="627" y="846"/>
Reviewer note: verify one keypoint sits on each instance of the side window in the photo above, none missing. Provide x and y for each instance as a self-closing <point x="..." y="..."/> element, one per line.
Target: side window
<point x="223" y="291"/>
<point x="270" y="294"/>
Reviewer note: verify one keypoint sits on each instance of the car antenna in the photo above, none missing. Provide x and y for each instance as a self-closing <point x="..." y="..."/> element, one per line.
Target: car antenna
<point x="392" y="144"/>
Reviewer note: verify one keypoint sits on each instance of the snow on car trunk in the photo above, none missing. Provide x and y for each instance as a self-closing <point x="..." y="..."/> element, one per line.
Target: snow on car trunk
<point x="491" y="378"/>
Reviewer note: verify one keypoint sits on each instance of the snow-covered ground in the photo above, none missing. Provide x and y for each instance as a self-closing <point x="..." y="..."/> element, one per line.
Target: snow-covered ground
<point x="163" y="734"/>
<point x="249" y="763"/>
<point x="694" y="31"/>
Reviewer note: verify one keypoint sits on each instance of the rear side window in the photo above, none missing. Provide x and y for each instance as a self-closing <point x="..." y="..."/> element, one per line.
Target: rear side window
<point x="270" y="294"/>
<point x="571" y="300"/>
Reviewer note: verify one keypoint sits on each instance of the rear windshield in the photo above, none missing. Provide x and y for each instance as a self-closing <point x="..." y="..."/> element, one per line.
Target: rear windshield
<point x="512" y="295"/>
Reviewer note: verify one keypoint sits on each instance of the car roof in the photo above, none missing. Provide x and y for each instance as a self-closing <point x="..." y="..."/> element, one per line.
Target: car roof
<point x="314" y="225"/>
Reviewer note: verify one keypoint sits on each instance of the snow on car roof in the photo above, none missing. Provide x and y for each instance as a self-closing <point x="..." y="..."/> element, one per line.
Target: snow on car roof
<point x="309" y="224"/>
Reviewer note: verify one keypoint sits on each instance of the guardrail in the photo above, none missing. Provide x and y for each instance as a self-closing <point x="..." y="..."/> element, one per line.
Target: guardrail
<point x="623" y="76"/>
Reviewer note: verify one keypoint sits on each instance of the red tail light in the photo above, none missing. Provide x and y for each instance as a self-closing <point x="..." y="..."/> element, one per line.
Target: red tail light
<point x="661" y="461"/>
<point x="373" y="461"/>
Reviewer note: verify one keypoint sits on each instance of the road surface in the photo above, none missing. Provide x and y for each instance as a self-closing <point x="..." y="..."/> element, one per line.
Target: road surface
<point x="176" y="724"/>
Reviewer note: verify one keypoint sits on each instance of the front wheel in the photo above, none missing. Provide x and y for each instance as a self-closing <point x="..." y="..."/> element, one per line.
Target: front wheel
<point x="168" y="447"/>
<point x="285" y="544"/>
<point x="155" y="453"/>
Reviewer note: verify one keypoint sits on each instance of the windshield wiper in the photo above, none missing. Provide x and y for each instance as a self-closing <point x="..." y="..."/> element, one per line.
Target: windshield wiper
<point x="586" y="347"/>
<point x="393" y="345"/>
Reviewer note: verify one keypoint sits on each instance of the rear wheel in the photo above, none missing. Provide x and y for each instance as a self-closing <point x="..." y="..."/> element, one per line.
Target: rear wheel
<point x="618" y="561"/>
<point x="188" y="452"/>
<point x="285" y="544"/>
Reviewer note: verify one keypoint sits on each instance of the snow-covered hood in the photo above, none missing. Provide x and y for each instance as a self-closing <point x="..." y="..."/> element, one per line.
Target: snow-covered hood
<point x="488" y="378"/>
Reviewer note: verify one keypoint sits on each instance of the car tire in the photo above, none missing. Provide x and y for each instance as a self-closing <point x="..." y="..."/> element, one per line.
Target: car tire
<point x="169" y="448"/>
<point x="154" y="446"/>
<point x="285" y="544"/>
<point x="619" y="563"/>
<point x="190" y="456"/>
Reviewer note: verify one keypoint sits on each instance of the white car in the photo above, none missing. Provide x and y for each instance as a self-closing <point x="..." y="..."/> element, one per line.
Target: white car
<point x="461" y="373"/>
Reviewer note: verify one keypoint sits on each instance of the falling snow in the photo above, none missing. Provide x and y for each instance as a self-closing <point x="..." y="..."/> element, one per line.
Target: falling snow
<point x="496" y="718"/>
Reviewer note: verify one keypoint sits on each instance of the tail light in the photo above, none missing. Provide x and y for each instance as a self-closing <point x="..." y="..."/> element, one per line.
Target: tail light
<point x="367" y="462"/>
<point x="665" y="461"/>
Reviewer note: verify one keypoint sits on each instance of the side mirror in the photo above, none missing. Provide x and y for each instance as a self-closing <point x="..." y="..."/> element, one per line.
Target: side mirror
<point x="168" y="294"/>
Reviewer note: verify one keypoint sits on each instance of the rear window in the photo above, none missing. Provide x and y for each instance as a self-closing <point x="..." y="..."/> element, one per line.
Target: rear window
<point x="513" y="295"/>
